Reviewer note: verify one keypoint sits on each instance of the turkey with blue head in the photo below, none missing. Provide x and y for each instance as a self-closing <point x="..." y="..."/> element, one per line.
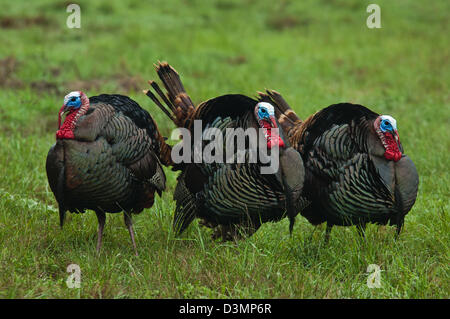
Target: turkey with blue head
<point x="233" y="198"/>
<point x="107" y="158"/>
<point x="356" y="169"/>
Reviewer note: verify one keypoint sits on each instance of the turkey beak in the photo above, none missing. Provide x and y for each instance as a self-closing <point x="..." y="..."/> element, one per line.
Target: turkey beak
<point x="273" y="121"/>
<point x="60" y="113"/>
<point x="64" y="109"/>
<point x="397" y="140"/>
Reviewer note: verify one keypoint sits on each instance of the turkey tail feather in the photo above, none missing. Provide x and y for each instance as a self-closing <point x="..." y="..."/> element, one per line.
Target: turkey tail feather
<point x="177" y="100"/>
<point x="280" y="103"/>
<point x="158" y="103"/>
<point x="171" y="80"/>
<point x="186" y="206"/>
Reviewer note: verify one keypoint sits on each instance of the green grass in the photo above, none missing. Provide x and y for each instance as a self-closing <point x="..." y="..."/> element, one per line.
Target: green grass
<point x="315" y="53"/>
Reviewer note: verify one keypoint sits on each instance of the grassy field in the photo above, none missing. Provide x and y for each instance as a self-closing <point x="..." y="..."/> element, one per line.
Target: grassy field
<point x="315" y="53"/>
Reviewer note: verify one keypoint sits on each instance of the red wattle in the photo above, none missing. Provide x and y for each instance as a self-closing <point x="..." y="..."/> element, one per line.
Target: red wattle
<point x="60" y="134"/>
<point x="392" y="152"/>
<point x="272" y="142"/>
<point x="272" y="139"/>
<point x="66" y="130"/>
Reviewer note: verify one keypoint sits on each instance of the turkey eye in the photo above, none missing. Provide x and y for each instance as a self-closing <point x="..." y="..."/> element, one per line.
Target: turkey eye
<point x="73" y="99"/>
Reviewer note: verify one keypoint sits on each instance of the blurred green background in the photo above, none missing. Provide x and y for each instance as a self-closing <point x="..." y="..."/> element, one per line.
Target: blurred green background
<point x="315" y="53"/>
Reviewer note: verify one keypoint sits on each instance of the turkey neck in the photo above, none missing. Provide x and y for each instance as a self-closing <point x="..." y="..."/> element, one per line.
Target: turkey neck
<point x="66" y="131"/>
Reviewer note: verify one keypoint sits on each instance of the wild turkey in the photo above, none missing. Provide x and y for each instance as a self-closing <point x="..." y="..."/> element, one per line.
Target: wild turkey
<point x="356" y="171"/>
<point x="107" y="158"/>
<point x="231" y="198"/>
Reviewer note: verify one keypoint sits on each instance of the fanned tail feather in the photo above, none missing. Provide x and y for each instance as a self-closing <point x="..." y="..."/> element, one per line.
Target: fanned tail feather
<point x="179" y="106"/>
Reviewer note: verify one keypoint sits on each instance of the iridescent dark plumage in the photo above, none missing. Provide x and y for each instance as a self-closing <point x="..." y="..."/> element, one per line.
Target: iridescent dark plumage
<point x="227" y="196"/>
<point x="349" y="179"/>
<point x="112" y="163"/>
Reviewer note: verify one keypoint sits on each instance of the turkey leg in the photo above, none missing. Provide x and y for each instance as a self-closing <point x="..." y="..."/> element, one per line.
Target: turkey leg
<point x="101" y="224"/>
<point x="129" y="224"/>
